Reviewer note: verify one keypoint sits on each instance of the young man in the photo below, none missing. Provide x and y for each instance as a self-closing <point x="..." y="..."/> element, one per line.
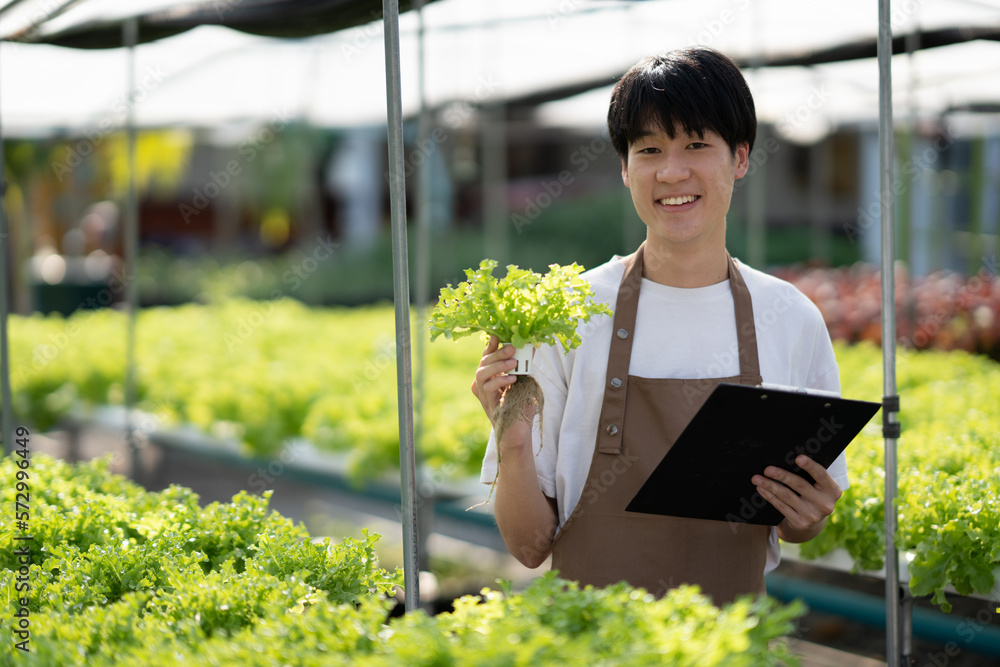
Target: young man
<point x="687" y="316"/>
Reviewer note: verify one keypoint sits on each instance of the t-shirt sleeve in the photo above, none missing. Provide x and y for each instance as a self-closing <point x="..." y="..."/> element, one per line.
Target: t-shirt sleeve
<point x="488" y="474"/>
<point x="548" y="374"/>
<point x="824" y="374"/>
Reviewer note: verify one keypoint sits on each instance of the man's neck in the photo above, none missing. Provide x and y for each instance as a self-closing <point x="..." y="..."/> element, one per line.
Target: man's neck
<point x="694" y="265"/>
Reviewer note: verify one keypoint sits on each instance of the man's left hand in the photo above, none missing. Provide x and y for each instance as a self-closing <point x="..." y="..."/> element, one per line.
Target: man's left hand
<point x="805" y="506"/>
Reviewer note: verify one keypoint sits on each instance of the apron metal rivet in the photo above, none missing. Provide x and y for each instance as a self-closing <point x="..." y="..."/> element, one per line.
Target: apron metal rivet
<point x="763" y="397"/>
<point x="623" y="333"/>
<point x="616" y="382"/>
<point x="612" y="430"/>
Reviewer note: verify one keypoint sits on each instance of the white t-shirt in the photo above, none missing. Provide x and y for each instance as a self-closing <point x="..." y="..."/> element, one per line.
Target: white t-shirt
<point x="679" y="333"/>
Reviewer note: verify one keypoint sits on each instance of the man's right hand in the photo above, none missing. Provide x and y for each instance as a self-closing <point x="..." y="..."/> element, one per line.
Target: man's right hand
<point x="526" y="518"/>
<point x="490" y="378"/>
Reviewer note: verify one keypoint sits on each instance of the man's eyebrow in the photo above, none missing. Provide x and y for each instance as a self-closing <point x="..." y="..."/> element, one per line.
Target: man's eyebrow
<point x="642" y="134"/>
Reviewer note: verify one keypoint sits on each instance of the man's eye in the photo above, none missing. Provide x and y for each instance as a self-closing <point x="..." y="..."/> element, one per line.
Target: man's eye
<point x="698" y="144"/>
<point x="649" y="150"/>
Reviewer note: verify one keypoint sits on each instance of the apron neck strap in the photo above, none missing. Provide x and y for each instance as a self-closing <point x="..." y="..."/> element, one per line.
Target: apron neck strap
<point x="612" y="418"/>
<point x="746" y="330"/>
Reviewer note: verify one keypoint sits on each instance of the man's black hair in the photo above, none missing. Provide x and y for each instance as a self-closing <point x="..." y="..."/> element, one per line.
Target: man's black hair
<point x="696" y="89"/>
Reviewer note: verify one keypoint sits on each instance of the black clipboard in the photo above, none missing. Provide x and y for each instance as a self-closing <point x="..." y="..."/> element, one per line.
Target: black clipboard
<point x="739" y="431"/>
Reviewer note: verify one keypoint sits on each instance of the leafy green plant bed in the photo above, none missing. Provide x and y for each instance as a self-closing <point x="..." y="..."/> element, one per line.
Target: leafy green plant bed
<point x="261" y="372"/>
<point x="948" y="471"/>
<point x="120" y="576"/>
<point x="258" y="373"/>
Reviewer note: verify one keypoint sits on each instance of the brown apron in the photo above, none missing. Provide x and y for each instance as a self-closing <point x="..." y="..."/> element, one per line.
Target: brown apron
<point x="601" y="543"/>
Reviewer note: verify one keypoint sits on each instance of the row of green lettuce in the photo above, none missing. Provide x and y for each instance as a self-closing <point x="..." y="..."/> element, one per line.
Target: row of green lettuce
<point x="263" y="372"/>
<point x="122" y="576"/>
<point x="948" y="469"/>
<point x="259" y="372"/>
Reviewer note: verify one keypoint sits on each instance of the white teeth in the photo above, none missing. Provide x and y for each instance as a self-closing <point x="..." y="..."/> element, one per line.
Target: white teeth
<point x="677" y="201"/>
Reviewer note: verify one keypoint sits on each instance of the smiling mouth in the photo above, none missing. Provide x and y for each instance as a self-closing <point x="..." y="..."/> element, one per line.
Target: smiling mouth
<point x="677" y="201"/>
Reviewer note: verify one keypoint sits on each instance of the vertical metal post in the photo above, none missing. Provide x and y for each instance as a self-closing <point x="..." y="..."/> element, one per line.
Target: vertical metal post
<point x="130" y="36"/>
<point x="890" y="401"/>
<point x="401" y="296"/>
<point x="6" y="259"/>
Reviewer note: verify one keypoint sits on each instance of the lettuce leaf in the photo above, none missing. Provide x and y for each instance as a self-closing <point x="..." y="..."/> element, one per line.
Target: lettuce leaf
<point x="522" y="308"/>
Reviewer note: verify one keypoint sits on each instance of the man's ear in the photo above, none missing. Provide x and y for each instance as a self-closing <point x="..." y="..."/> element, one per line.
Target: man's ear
<point x="625" y="172"/>
<point x="742" y="159"/>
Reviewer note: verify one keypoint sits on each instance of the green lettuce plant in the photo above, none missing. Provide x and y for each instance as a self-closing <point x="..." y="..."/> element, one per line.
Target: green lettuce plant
<point x="522" y="308"/>
<point x="258" y="373"/>
<point x="121" y="576"/>
<point x="948" y="501"/>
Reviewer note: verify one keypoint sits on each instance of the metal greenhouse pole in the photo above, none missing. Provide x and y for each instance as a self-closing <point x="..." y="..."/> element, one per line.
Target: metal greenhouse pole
<point x="401" y="297"/>
<point x="890" y="400"/>
<point x="130" y="37"/>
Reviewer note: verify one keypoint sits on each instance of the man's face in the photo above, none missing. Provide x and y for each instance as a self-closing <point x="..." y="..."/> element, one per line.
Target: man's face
<point x="682" y="187"/>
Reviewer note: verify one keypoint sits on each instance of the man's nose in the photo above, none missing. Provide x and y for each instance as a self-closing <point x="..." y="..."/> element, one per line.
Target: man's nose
<point x="673" y="170"/>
